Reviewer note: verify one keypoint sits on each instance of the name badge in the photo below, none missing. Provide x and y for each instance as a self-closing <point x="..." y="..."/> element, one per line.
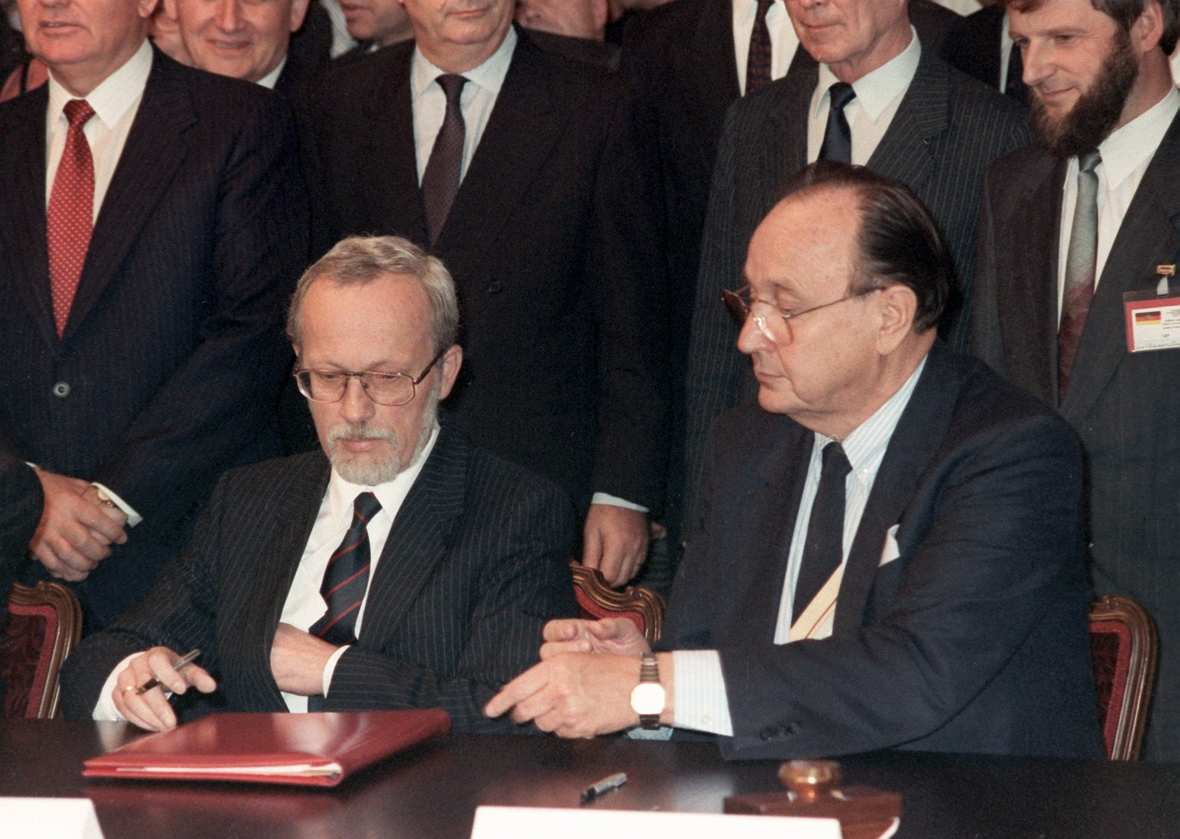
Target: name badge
<point x="1153" y="317"/>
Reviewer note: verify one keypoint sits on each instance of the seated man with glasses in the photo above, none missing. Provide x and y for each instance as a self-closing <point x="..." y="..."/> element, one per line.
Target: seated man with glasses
<point x="399" y="567"/>
<point x="889" y="553"/>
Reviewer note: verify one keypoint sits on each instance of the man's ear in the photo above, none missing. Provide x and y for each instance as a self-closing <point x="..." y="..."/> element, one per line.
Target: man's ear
<point x="145" y="8"/>
<point x="298" y="13"/>
<point x="451" y="361"/>
<point x="172" y="9"/>
<point x="1148" y="28"/>
<point x="898" y="306"/>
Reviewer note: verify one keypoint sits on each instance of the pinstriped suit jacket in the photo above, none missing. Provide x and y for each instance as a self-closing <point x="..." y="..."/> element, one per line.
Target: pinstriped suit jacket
<point x="173" y="352"/>
<point x="474" y="566"/>
<point x="946" y="131"/>
<point x="1125" y="406"/>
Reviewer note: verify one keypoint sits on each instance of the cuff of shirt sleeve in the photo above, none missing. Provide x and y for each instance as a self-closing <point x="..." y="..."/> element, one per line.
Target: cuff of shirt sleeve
<point x="104" y="709"/>
<point x="133" y="518"/>
<point x="700" y="700"/>
<point x="330" y="667"/>
<point x="607" y="498"/>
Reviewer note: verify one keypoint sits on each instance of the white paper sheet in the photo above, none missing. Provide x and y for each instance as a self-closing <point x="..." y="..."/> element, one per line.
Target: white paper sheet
<point x="48" y="818"/>
<point x="517" y="822"/>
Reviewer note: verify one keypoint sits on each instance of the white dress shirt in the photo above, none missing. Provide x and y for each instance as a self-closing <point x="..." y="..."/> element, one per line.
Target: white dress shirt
<point x="304" y="604"/>
<point x="1006" y="47"/>
<point x="700" y="700"/>
<point x="115" y="102"/>
<point x="878" y="95"/>
<point x="476" y="101"/>
<point x="783" y="40"/>
<point x="1126" y="154"/>
<point x="272" y="78"/>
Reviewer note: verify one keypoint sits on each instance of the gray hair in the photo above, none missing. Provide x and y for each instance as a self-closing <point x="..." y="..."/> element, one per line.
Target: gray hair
<point x="363" y="259"/>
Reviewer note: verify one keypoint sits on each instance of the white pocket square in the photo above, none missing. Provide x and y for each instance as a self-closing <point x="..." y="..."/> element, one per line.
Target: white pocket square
<point x="889" y="551"/>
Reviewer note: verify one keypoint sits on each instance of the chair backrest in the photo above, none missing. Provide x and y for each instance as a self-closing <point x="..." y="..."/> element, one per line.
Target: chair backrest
<point x="1123" y="642"/>
<point x="44" y="624"/>
<point x="596" y="599"/>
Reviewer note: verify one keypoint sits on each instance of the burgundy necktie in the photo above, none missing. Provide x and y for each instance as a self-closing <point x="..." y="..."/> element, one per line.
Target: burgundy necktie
<point x="347" y="576"/>
<point x="758" y="62"/>
<point x="1080" y="267"/>
<point x="440" y="181"/>
<point x="70" y="219"/>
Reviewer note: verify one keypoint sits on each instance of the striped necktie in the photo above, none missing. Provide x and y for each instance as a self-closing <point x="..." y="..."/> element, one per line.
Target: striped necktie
<point x="347" y="576"/>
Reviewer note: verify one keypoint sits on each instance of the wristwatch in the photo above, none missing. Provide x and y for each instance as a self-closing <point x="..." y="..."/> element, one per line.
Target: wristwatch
<point x="648" y="697"/>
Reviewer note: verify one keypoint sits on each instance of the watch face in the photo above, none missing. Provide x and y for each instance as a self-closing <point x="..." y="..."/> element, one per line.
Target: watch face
<point x="648" y="698"/>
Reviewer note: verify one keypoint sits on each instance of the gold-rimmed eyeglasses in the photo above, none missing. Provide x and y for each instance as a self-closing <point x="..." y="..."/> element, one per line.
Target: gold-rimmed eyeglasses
<point x="771" y="320"/>
<point x="390" y="389"/>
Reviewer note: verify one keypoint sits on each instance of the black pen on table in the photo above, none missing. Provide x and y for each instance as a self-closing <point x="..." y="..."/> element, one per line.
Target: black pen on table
<point x="603" y="787"/>
<point x="185" y="660"/>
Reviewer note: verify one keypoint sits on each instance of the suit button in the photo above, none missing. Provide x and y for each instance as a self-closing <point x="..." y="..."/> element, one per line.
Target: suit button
<point x="767" y="733"/>
<point x="494" y="287"/>
<point x="61" y="389"/>
<point x="789" y="728"/>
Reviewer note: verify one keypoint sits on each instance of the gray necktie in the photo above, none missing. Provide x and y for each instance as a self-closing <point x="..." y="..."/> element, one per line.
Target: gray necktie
<point x="440" y="181"/>
<point x="1079" y="269"/>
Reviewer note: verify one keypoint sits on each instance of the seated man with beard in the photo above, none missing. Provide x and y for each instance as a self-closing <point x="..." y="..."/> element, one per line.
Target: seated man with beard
<point x="400" y="567"/>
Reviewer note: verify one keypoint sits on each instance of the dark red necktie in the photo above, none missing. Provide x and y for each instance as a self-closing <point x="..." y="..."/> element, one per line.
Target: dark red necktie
<point x="347" y="576"/>
<point x="70" y="218"/>
<point x="758" y="62"/>
<point x="440" y="181"/>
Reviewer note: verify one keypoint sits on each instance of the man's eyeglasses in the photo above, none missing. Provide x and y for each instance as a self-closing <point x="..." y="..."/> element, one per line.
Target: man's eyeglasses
<point x="773" y="322"/>
<point x="389" y="389"/>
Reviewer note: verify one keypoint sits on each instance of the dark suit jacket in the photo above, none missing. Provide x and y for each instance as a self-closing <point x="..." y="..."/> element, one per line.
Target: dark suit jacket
<point x="308" y="53"/>
<point x="1124" y="405"/>
<point x="974" y="46"/>
<point x="173" y="352"/>
<point x="20" y="510"/>
<point x="973" y="640"/>
<point x="476" y="563"/>
<point x="946" y="131"/>
<point x="559" y="282"/>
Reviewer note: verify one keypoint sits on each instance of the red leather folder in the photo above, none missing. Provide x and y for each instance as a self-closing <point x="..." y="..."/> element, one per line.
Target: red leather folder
<point x="306" y="749"/>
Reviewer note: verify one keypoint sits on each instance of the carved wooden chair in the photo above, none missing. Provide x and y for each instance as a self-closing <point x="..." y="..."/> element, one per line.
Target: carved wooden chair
<point x="44" y="624"/>
<point x="643" y="607"/>
<point x="1124" y="643"/>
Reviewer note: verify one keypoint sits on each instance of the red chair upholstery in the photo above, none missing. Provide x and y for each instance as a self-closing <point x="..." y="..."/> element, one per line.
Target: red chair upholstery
<point x="596" y="599"/>
<point x="44" y="624"/>
<point x="1123" y="642"/>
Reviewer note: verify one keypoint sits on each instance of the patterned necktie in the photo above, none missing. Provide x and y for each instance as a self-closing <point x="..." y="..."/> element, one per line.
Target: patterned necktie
<point x="440" y="181"/>
<point x="1080" y="263"/>
<point x="758" y="61"/>
<point x="824" y="549"/>
<point x="347" y="576"/>
<point x="70" y="218"/>
<point x="837" y="143"/>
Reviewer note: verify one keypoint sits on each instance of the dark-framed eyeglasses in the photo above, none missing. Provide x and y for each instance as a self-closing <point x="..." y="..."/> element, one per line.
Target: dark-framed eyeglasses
<point x="390" y="389"/>
<point x="741" y="306"/>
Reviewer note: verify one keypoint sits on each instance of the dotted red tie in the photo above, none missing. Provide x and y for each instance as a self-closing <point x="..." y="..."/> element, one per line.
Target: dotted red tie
<point x="70" y="218"/>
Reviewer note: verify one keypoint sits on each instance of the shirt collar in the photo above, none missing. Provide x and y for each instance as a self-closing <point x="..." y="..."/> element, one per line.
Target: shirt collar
<point x="272" y="78"/>
<point x="342" y="494"/>
<point x="489" y="75"/>
<point x="117" y="93"/>
<point x="866" y="445"/>
<point x="876" y="90"/>
<point x="1131" y="146"/>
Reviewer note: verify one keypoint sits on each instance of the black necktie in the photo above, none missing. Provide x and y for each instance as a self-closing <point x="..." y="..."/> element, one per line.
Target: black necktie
<point x="837" y="143"/>
<point x="1013" y="86"/>
<point x="347" y="576"/>
<point x="440" y="181"/>
<point x="758" y="61"/>
<point x="824" y="550"/>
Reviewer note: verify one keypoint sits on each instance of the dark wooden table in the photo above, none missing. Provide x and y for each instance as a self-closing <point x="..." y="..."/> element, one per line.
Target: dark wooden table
<point x="432" y="792"/>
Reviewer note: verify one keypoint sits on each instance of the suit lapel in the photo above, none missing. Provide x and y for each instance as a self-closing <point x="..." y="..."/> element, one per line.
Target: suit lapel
<point x="918" y="434"/>
<point x="787" y="153"/>
<point x="1148" y="236"/>
<point x="761" y="534"/>
<point x="1028" y="299"/>
<point x="22" y="208"/>
<point x="156" y="146"/>
<point x="904" y="152"/>
<point x="419" y="539"/>
<point x="524" y="127"/>
<point x="711" y="73"/>
<point x="393" y="199"/>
